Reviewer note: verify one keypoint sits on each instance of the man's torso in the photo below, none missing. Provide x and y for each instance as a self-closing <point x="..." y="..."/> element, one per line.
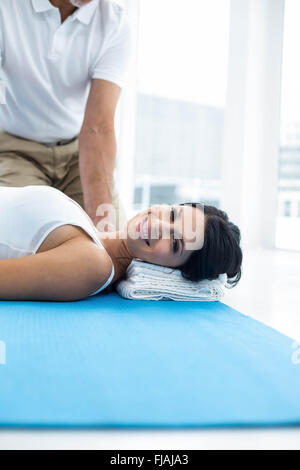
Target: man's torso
<point x="46" y="66"/>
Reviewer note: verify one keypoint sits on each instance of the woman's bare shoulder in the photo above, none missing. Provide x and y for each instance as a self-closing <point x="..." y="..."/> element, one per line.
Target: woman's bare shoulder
<point x="71" y="271"/>
<point x="103" y="265"/>
<point x="99" y="261"/>
<point x="92" y="262"/>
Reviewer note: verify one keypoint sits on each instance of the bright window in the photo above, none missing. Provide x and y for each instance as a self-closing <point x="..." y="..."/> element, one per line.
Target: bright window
<point x="288" y="220"/>
<point x="182" y="78"/>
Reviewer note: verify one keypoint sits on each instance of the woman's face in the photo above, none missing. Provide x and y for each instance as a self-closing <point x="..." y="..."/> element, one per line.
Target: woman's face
<point x="166" y="235"/>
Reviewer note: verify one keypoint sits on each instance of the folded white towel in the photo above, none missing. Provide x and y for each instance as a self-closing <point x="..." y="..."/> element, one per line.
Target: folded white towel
<point x="147" y="281"/>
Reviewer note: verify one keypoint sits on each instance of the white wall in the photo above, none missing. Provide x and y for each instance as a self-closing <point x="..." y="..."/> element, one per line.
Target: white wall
<point x="126" y="116"/>
<point x="250" y="163"/>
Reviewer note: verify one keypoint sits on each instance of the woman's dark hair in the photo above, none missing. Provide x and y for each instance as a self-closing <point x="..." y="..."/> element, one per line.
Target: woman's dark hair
<point x="221" y="252"/>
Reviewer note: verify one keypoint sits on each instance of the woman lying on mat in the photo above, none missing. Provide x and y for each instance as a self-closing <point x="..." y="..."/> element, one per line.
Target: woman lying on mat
<point x="73" y="259"/>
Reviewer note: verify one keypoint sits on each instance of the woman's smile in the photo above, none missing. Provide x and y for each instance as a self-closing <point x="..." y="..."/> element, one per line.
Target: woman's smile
<point x="143" y="228"/>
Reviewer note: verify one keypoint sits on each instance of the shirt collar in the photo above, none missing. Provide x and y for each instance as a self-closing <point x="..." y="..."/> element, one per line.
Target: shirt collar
<point x="83" y="14"/>
<point x="41" y="5"/>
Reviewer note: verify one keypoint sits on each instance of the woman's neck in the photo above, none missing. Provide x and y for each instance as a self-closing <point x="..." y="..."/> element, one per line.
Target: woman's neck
<point x="117" y="249"/>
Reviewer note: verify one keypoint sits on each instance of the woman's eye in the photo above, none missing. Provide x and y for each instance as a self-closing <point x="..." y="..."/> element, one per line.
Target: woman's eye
<point x="175" y="245"/>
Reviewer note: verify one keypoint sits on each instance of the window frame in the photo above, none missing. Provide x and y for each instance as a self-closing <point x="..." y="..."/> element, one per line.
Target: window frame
<point x="252" y="119"/>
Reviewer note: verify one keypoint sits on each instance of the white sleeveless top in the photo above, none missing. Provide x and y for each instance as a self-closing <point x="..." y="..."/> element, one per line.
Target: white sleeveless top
<point x="28" y="214"/>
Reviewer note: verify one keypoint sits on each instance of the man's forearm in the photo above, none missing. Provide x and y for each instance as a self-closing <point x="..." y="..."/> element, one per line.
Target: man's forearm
<point x="97" y="153"/>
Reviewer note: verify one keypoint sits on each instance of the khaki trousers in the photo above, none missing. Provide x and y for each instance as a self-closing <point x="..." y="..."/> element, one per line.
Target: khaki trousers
<point x="26" y="162"/>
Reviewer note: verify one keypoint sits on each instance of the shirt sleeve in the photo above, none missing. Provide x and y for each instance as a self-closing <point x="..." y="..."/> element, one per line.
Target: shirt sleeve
<point x="112" y="64"/>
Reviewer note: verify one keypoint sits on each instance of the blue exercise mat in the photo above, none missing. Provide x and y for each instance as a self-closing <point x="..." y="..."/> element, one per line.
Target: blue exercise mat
<point x="106" y="361"/>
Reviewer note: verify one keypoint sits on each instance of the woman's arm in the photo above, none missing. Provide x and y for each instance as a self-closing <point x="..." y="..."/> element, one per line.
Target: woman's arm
<point x="69" y="272"/>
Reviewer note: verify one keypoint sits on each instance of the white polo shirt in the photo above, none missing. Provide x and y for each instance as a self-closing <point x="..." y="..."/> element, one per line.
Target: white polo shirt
<point x="47" y="66"/>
